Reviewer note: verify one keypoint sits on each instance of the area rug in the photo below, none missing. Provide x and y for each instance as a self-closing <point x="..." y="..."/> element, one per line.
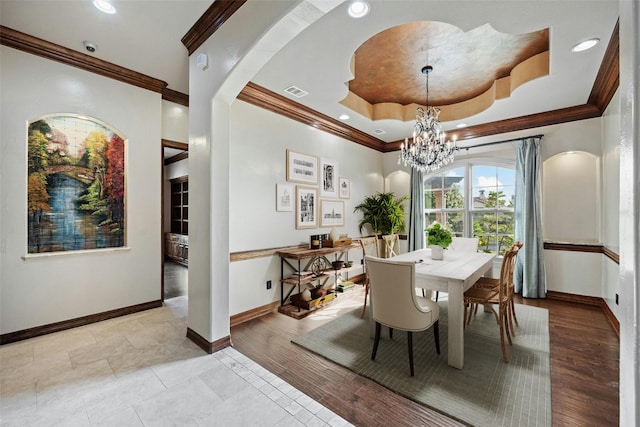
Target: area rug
<point x="486" y="392"/>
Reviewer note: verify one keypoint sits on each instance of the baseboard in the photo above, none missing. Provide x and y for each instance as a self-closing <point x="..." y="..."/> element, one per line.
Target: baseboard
<point x="209" y="347"/>
<point x="254" y="313"/>
<point x="613" y="321"/>
<point x="584" y="299"/>
<point x="257" y="312"/>
<point x="580" y="299"/>
<point x="74" y="323"/>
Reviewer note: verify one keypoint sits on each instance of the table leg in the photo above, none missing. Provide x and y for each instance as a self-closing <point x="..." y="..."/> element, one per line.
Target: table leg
<point x="456" y="325"/>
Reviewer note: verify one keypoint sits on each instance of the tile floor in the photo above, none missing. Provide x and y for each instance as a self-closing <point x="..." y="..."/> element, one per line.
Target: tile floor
<point x="141" y="370"/>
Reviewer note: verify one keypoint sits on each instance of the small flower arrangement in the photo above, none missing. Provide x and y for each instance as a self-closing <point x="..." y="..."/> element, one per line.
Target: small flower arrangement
<point x="438" y="235"/>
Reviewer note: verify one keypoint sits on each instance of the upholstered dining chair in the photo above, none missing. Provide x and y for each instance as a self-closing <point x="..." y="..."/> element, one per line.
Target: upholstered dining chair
<point x="391" y="244"/>
<point x="479" y="294"/>
<point x="369" y="247"/>
<point x="394" y="302"/>
<point x="462" y="244"/>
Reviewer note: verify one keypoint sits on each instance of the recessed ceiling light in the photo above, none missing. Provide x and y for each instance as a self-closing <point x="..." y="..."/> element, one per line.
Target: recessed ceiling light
<point x="461" y="125"/>
<point x="584" y="45"/>
<point x="104" y="6"/>
<point x="358" y="8"/>
<point x="344" y="117"/>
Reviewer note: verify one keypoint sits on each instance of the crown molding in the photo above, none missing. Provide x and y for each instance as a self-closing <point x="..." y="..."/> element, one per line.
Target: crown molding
<point x="30" y="44"/>
<point x="175" y="96"/>
<point x="210" y="21"/>
<point x="176" y="158"/>
<point x="608" y="78"/>
<point x="563" y="115"/>
<point x="175" y="144"/>
<point x="604" y="88"/>
<point x="264" y="98"/>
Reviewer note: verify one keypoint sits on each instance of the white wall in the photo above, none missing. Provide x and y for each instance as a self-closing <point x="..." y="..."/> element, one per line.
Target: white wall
<point x="46" y="289"/>
<point x="610" y="206"/>
<point x="175" y="122"/>
<point x="571" y="198"/>
<point x="256" y="167"/>
<point x="629" y="218"/>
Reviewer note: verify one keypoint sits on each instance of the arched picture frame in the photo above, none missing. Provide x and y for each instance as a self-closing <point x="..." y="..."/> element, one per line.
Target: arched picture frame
<point x="76" y="188"/>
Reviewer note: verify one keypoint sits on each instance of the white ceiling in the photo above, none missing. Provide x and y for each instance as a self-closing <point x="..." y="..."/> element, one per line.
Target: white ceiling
<point x="145" y="36"/>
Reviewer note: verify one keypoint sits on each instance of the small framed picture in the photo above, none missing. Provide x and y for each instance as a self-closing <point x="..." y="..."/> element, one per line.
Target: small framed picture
<point x="328" y="179"/>
<point x="284" y="197"/>
<point x="331" y="213"/>
<point x="344" y="188"/>
<point x="302" y="168"/>
<point x="306" y="207"/>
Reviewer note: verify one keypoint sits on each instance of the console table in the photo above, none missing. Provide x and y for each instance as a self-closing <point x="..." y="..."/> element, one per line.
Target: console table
<point x="300" y="259"/>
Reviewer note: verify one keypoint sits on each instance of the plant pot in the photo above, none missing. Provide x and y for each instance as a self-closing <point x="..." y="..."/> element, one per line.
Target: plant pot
<point x="337" y="265"/>
<point x="318" y="292"/>
<point x="437" y="252"/>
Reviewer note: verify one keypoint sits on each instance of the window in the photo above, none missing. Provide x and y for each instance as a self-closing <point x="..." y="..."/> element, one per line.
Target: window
<point x="180" y="205"/>
<point x="474" y="200"/>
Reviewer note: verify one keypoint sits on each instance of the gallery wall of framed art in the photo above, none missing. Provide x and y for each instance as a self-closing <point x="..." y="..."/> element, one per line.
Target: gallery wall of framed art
<point x="319" y="195"/>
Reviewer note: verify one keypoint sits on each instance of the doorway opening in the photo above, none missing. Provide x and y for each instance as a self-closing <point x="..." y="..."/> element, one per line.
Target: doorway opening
<point x="175" y="219"/>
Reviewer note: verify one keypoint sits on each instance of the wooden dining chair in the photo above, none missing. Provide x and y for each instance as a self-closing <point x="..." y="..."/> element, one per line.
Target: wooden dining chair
<point x="391" y="244"/>
<point x="492" y="283"/>
<point x="488" y="296"/>
<point x="369" y="247"/>
<point x="394" y="302"/>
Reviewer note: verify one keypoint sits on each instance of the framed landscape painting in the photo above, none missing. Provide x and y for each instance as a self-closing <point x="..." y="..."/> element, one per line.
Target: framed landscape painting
<point x="75" y="185"/>
<point x="306" y="207"/>
<point x="302" y="168"/>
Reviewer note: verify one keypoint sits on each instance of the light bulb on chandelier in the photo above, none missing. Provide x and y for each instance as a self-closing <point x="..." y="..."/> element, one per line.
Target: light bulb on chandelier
<point x="428" y="149"/>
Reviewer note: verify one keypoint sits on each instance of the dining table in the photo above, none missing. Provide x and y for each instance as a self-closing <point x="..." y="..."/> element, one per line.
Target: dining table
<point x="454" y="274"/>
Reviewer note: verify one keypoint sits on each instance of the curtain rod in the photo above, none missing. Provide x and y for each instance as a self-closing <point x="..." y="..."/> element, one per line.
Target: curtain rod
<point x="501" y="142"/>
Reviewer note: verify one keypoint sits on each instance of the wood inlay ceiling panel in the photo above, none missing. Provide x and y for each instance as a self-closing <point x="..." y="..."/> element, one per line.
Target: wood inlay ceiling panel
<point x="471" y="69"/>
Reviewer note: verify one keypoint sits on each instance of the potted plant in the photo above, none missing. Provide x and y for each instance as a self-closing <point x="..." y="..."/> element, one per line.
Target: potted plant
<point x="383" y="213"/>
<point x="438" y="238"/>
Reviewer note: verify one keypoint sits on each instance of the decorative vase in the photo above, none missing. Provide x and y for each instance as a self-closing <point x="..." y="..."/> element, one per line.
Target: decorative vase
<point x="306" y="295"/>
<point x="334" y="235"/>
<point x="437" y="252"/>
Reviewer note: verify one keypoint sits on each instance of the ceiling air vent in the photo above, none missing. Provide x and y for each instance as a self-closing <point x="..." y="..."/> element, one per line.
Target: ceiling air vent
<point x="296" y="91"/>
<point x="378" y="131"/>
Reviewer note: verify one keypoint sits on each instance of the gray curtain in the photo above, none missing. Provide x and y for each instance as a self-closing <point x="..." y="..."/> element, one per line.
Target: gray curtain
<point x="529" y="274"/>
<point x="416" y="211"/>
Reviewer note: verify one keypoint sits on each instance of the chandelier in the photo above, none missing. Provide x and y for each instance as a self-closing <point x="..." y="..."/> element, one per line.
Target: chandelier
<point x="428" y="150"/>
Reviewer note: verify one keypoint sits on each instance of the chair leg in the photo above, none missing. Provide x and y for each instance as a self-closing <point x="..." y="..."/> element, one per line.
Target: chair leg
<point x="512" y="313"/>
<point x="436" y="336"/>
<point x="366" y="293"/>
<point x="505" y="320"/>
<point x="437" y="292"/>
<point x="390" y="333"/>
<point x="376" y="340"/>
<point x="410" y="344"/>
<point x="510" y="319"/>
<point x="504" y="347"/>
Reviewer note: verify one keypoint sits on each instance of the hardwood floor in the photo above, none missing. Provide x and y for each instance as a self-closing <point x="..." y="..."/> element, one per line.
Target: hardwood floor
<point x="584" y="367"/>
